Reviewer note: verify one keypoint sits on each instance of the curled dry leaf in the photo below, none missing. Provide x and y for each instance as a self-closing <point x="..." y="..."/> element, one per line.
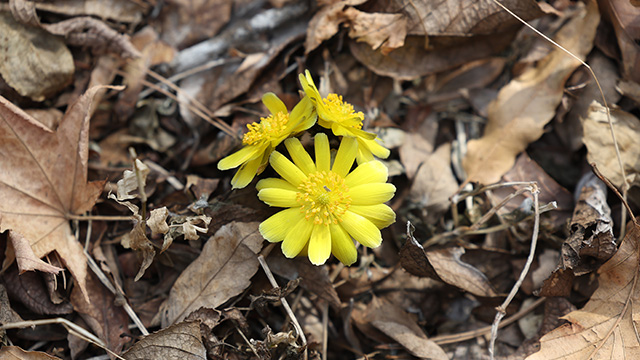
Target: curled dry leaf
<point x="384" y="31"/>
<point x="600" y="149"/>
<point x="44" y="66"/>
<point x="591" y="242"/>
<point x="26" y="259"/>
<point x="55" y="163"/>
<point x="444" y="265"/>
<point x="180" y="341"/>
<point x="403" y="328"/>
<point x="326" y="22"/>
<point x="157" y="221"/>
<point x="606" y="327"/>
<point x="523" y="107"/>
<point x="16" y="353"/>
<point x="129" y="181"/>
<point x="223" y="270"/>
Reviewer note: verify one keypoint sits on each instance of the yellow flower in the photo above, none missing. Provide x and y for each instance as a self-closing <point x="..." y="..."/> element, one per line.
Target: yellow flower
<point x="341" y="118"/>
<point x="263" y="137"/>
<point x="327" y="205"/>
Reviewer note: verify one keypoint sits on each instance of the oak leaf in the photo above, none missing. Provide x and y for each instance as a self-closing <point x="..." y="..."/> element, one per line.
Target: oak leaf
<point x="44" y="180"/>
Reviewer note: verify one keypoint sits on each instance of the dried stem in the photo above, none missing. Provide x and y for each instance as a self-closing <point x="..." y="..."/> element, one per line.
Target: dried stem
<point x="533" y="188"/>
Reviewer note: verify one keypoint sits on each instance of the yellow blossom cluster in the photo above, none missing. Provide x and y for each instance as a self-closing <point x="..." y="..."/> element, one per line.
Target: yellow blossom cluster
<point x="328" y="205"/>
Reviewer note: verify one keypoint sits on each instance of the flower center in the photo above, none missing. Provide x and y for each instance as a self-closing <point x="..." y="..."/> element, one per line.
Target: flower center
<point x="343" y="110"/>
<point x="268" y="128"/>
<point x="324" y="197"/>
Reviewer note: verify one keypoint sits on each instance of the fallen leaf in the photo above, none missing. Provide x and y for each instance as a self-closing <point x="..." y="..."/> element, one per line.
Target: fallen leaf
<point x="605" y="328"/>
<point x="600" y="149"/>
<point x="14" y="352"/>
<point x="444" y="265"/>
<point x="119" y="10"/>
<point x="326" y="22"/>
<point x="401" y="327"/>
<point x="55" y="163"/>
<point x="523" y="107"/>
<point x="106" y="319"/>
<point x="180" y="341"/>
<point x="7" y="314"/>
<point x="26" y="259"/>
<point x="44" y="65"/>
<point x="384" y="31"/>
<point x="458" y="17"/>
<point x="434" y="184"/>
<point x="30" y="290"/>
<point x="591" y="242"/>
<point x="623" y="16"/>
<point x="412" y="60"/>
<point x="223" y="270"/>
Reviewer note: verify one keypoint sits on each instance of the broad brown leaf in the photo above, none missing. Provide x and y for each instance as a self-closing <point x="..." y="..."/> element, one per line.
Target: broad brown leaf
<point x="523" y="107"/>
<point x="44" y="180"/>
<point x="606" y="327"/>
<point x="223" y="270"/>
<point x="16" y="353"/>
<point x="181" y="341"/>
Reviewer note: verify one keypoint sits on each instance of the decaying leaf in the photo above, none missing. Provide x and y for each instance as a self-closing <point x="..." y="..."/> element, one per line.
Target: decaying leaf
<point x="29" y="289"/>
<point x="129" y="181"/>
<point x="523" y="107"/>
<point x="223" y="270"/>
<point x="606" y="327"/>
<point x="118" y="10"/>
<point x="180" y="341"/>
<point x="55" y="164"/>
<point x="401" y="327"/>
<point x="623" y="16"/>
<point x="444" y="265"/>
<point x="16" y="353"/>
<point x="600" y="149"/>
<point x="44" y="65"/>
<point x="325" y="23"/>
<point x="591" y="242"/>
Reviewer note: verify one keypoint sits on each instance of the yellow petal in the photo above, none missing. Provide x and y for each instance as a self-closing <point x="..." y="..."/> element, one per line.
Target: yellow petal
<point x="342" y="246"/>
<point x="310" y="88"/>
<point x="364" y="155"/>
<point x="371" y="194"/>
<point x="273" y="103"/>
<point x="274" y="183"/>
<point x="323" y="154"/>
<point x="303" y="116"/>
<point x="369" y="172"/>
<point x="246" y="173"/>
<point x="375" y="148"/>
<point x="300" y="156"/>
<point x="276" y="227"/>
<point x="320" y="244"/>
<point x="345" y="156"/>
<point x="380" y="215"/>
<point x="286" y="169"/>
<point x="278" y="197"/>
<point x="361" y="229"/>
<point x="340" y="130"/>
<point x="297" y="238"/>
<point x="240" y="157"/>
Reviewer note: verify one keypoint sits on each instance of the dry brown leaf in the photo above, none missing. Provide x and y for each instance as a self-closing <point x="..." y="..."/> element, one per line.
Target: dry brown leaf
<point x="624" y="18"/>
<point x="223" y="270"/>
<point x="326" y="22"/>
<point x="55" y="164"/>
<point x="523" y="107"/>
<point x="457" y="17"/>
<point x="31" y="291"/>
<point x="44" y="65"/>
<point x="16" y="353"/>
<point x="600" y="149"/>
<point x="26" y="259"/>
<point x="412" y="61"/>
<point x="119" y="10"/>
<point x="434" y="183"/>
<point x="93" y="33"/>
<point x="403" y="328"/>
<point x="157" y="221"/>
<point x="181" y="341"/>
<point x="444" y="265"/>
<point x="384" y="31"/>
<point x="591" y="241"/>
<point x="606" y="327"/>
<point x="106" y="319"/>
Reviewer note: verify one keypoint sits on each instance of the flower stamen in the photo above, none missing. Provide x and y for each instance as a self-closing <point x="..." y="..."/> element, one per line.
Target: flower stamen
<point x="324" y="197"/>
<point x="269" y="128"/>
